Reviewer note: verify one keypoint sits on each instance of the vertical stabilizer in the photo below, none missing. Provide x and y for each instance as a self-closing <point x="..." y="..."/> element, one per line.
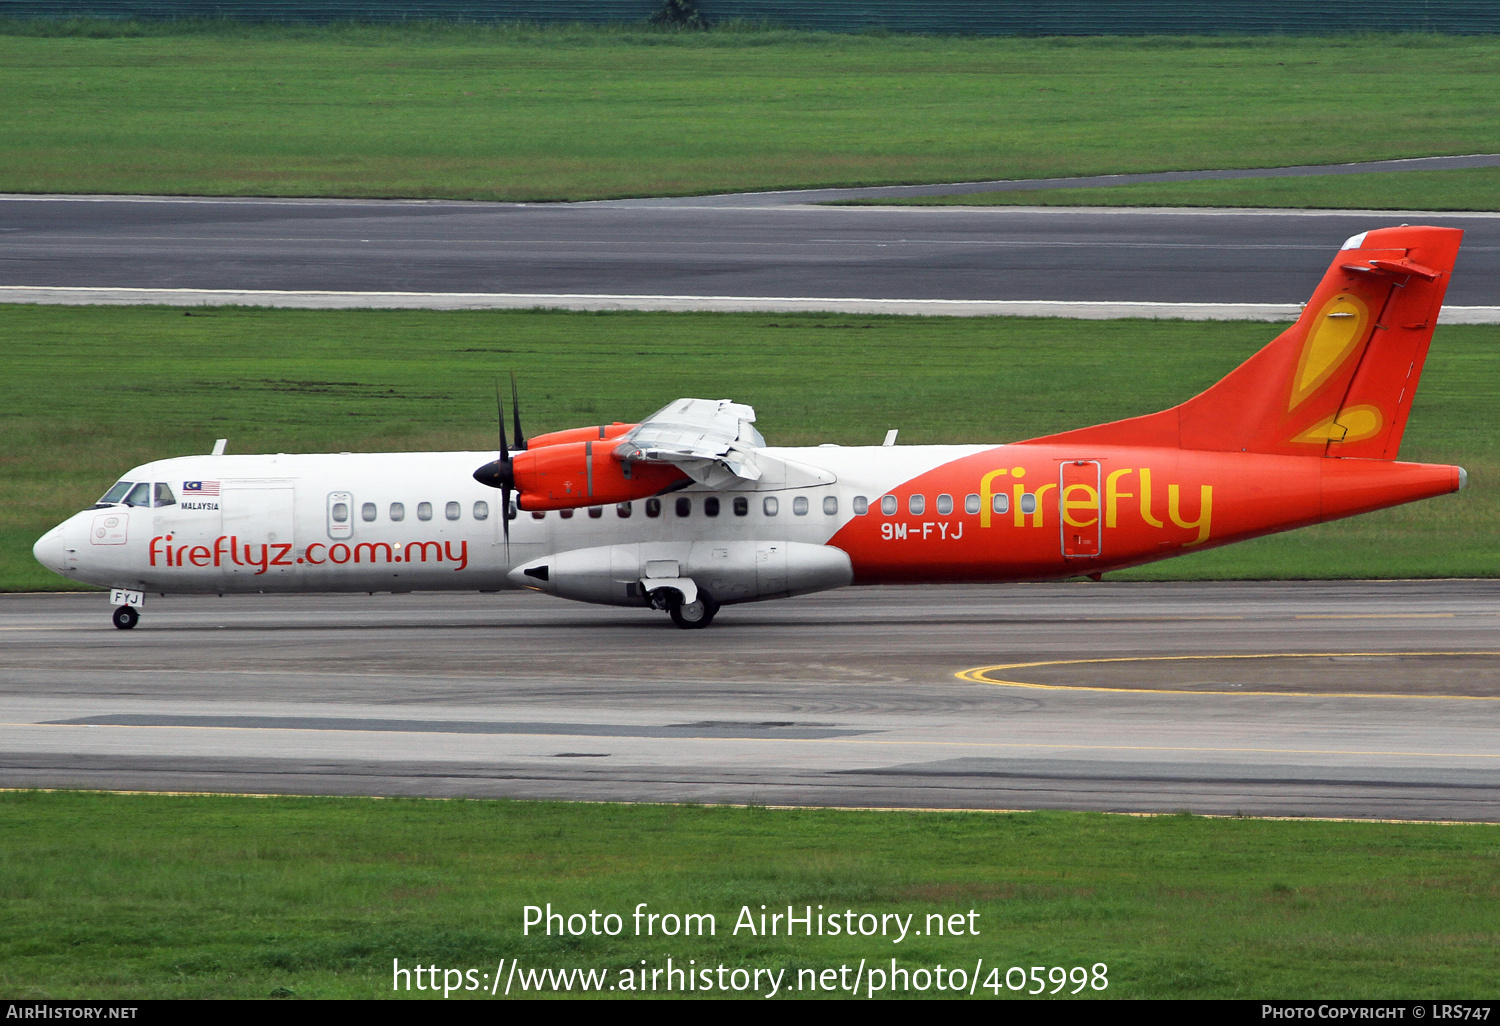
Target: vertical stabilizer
<point x="1340" y="381"/>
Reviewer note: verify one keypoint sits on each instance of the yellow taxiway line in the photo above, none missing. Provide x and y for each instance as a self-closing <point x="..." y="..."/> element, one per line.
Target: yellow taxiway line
<point x="981" y="675"/>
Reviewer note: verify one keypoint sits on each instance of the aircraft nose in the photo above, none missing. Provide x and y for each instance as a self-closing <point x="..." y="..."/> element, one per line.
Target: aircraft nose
<point x="50" y="551"/>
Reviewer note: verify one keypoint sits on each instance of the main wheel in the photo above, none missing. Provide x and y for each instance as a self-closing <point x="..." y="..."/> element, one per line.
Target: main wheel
<point x="126" y="617"/>
<point x="696" y="614"/>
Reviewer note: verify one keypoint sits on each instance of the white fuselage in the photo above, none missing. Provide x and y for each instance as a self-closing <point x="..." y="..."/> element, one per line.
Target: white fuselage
<point x="418" y="521"/>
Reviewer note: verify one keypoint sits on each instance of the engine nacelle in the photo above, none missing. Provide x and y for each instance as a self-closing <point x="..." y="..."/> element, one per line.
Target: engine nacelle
<point x="737" y="571"/>
<point x="583" y="434"/>
<point x="572" y="474"/>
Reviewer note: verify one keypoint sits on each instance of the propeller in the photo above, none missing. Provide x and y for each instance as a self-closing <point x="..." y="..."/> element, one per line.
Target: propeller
<point x="500" y="473"/>
<point x="515" y="409"/>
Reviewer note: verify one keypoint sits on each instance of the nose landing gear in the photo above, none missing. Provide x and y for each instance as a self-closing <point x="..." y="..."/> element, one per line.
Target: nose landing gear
<point x="127" y="605"/>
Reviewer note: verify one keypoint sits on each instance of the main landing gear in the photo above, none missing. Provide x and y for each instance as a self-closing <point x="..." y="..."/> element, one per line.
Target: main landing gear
<point x="693" y="615"/>
<point x="126" y="617"/>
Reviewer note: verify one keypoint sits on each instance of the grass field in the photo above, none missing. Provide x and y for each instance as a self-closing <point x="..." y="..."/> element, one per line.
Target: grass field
<point x="574" y="113"/>
<point x="1464" y="189"/>
<point x="89" y="392"/>
<point x="164" y="896"/>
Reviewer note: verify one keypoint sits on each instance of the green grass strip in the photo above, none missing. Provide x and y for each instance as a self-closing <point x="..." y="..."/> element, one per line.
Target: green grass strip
<point x="1460" y="189"/>
<point x="89" y="392"/>
<point x="176" y="896"/>
<point x="516" y="113"/>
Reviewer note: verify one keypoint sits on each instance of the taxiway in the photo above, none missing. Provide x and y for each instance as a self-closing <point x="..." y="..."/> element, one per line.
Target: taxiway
<point x="1387" y="710"/>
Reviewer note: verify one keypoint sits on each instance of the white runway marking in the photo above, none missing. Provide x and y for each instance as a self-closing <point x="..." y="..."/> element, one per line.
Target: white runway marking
<point x="1082" y="310"/>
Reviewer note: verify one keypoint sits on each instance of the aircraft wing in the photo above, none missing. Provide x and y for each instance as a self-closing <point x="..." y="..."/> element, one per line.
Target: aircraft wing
<point x="710" y="440"/>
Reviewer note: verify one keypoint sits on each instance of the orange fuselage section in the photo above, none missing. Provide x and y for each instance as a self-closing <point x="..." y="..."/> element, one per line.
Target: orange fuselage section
<point x="1028" y="512"/>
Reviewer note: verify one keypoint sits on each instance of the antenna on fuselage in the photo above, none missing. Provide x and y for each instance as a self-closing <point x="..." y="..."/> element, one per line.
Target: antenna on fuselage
<point x="219" y="446"/>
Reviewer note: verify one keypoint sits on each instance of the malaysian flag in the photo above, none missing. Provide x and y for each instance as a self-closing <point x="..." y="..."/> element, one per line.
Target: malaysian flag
<point x="200" y="487"/>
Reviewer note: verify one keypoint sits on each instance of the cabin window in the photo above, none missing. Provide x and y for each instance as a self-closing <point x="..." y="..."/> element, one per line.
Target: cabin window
<point x="424" y="511"/>
<point x="830" y="504"/>
<point x="710" y="507"/>
<point x="398" y="511"/>
<point x="595" y="512"/>
<point x="566" y="514"/>
<point x="163" y="495"/>
<point x="888" y="505"/>
<point x="653" y="507"/>
<point x="513" y="510"/>
<point x="971" y="503"/>
<point x="944" y="505"/>
<point x="799" y="506"/>
<point x="453" y="511"/>
<point x="340" y="512"/>
<point x="741" y="506"/>
<point x="917" y="504"/>
<point x="770" y="505"/>
<point x="115" y="494"/>
<point x="481" y="510"/>
<point x="367" y="512"/>
<point x="684" y="506"/>
<point x="1001" y="503"/>
<point x="140" y="495"/>
<point x="539" y="514"/>
<point x="861" y="505"/>
<point x="622" y="510"/>
<point x="1028" y="503"/>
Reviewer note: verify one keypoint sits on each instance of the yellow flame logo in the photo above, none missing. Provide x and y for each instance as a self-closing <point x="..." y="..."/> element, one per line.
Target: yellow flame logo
<point x="1335" y="333"/>
<point x="1354" y="424"/>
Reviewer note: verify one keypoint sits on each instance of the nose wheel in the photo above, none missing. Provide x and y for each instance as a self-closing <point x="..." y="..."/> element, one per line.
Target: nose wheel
<point x="126" y="617"/>
<point x="693" y="615"/>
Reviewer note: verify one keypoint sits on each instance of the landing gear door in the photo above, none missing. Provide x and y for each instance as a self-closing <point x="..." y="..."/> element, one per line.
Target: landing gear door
<point x="1078" y="509"/>
<point x="259" y="518"/>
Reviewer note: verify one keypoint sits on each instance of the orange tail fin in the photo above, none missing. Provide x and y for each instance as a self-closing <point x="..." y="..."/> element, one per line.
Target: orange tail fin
<point x="1340" y="381"/>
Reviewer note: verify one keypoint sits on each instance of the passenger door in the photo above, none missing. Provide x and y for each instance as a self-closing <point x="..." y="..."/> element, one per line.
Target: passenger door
<point x="1078" y="508"/>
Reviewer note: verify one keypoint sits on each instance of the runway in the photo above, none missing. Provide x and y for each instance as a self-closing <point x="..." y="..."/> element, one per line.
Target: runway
<point x="687" y="250"/>
<point x="847" y="698"/>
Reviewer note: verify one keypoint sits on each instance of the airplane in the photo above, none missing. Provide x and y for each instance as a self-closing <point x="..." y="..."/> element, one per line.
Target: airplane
<point x="690" y="510"/>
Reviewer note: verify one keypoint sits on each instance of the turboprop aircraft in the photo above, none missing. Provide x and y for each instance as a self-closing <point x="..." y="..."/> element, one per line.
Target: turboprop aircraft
<point x="690" y="510"/>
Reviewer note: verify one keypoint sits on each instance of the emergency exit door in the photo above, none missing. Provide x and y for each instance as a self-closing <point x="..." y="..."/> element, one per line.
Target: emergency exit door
<point x="1078" y="508"/>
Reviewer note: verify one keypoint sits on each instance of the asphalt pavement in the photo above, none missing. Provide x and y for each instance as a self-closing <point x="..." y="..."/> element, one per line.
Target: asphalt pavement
<point x="697" y="249"/>
<point x="1383" y="698"/>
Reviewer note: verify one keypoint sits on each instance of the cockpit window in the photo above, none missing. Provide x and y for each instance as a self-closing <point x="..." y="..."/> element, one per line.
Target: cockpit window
<point x="164" y="495"/>
<point x="140" y="495"/>
<point x="115" y="494"/>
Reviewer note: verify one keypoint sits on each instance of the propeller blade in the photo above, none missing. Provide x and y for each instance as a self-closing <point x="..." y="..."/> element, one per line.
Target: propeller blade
<point x="515" y="409"/>
<point x="505" y="519"/>
<point x="505" y="469"/>
<point x="500" y="415"/>
<point x="499" y="472"/>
